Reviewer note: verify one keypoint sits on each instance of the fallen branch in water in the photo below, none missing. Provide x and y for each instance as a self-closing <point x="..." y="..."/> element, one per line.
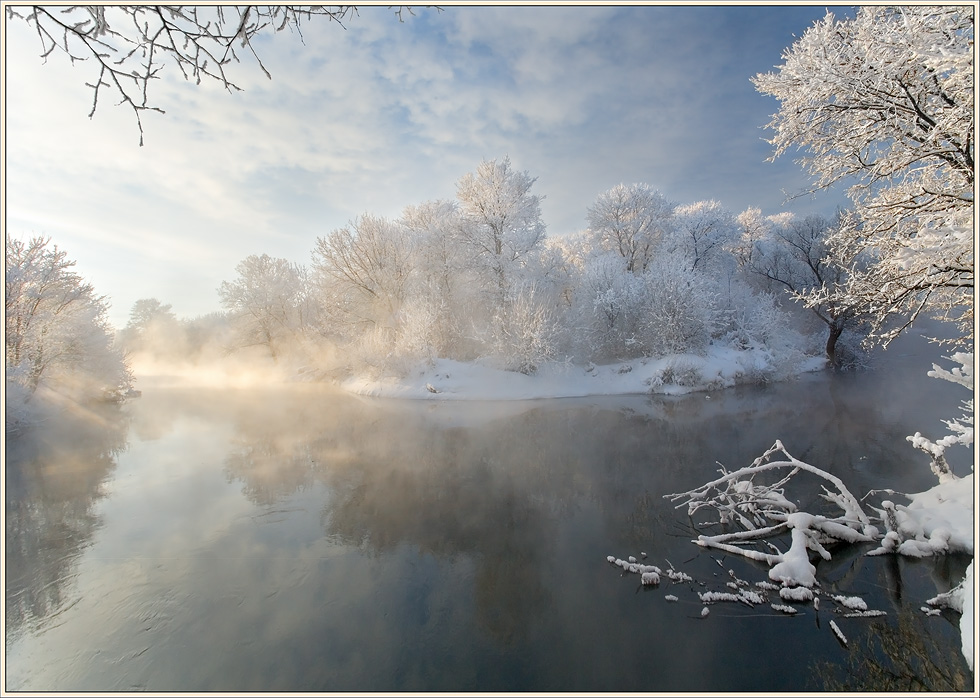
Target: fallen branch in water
<point x="763" y="511"/>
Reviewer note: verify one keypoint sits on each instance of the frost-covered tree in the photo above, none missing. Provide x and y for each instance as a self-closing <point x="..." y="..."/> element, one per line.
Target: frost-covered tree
<point x="441" y="285"/>
<point x="885" y="100"/>
<point x="154" y="327"/>
<point x="524" y="330"/>
<point x="147" y="311"/>
<point x="501" y="225"/>
<point x="794" y="257"/>
<point x="680" y="313"/>
<point x="702" y="233"/>
<point x="753" y="227"/>
<point x="667" y="309"/>
<point x="129" y="45"/>
<point x="57" y="333"/>
<point x="630" y="220"/>
<point x="267" y="301"/>
<point x="610" y="302"/>
<point x="362" y="272"/>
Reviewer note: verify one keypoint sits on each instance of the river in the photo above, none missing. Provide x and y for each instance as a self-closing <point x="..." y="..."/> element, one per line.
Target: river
<point x="297" y="538"/>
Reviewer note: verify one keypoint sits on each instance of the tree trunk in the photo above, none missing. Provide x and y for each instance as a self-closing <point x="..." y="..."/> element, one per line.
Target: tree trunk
<point x="836" y="328"/>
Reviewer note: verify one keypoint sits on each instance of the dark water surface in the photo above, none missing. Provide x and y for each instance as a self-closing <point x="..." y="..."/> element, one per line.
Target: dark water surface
<point x="301" y="539"/>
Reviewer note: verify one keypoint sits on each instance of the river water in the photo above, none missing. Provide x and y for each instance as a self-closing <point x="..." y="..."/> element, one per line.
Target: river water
<point x="301" y="539"/>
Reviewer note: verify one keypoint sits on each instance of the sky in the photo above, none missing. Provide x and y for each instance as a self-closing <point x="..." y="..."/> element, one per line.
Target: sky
<point x="381" y="114"/>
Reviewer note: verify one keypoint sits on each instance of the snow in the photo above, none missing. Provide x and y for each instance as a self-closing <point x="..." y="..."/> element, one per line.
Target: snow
<point x="938" y="520"/>
<point x="795" y="567"/>
<point x="788" y="610"/>
<point x="795" y="594"/>
<point x="945" y="512"/>
<point x="865" y="614"/>
<point x="966" y="620"/>
<point x="447" y="379"/>
<point x="855" y="603"/>
<point x="838" y="633"/>
<point x="650" y="579"/>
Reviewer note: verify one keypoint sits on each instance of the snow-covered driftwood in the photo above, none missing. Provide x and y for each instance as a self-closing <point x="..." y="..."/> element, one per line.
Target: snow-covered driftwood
<point x="763" y="511"/>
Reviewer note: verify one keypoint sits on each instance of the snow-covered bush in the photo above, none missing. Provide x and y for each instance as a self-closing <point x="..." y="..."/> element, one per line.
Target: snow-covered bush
<point x="680" y="371"/>
<point x="666" y="309"/>
<point x="679" y="314"/>
<point x="756" y="321"/>
<point x="609" y="304"/>
<point x="372" y="352"/>
<point x="523" y="332"/>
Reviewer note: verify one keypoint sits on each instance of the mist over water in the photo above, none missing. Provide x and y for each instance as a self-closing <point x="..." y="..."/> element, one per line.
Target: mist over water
<point x="232" y="536"/>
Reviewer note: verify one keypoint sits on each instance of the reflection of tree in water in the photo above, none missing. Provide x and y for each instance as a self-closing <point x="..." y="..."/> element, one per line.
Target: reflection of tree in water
<point x="902" y="656"/>
<point x="398" y="479"/>
<point x="53" y="478"/>
<point x="448" y="493"/>
<point x="277" y="439"/>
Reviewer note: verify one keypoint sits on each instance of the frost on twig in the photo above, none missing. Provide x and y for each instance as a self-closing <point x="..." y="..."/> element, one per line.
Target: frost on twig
<point x="130" y="45"/>
<point x="961" y="428"/>
<point x="763" y="511"/>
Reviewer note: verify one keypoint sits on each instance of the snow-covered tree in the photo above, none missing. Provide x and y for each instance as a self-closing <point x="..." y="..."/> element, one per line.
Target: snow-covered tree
<point x="667" y="309"/>
<point x="267" y="301"/>
<point x="147" y="311"/>
<point x="501" y="224"/>
<point x="680" y="313"/>
<point x="753" y="227"/>
<point x="57" y="332"/>
<point x="795" y="257"/>
<point x="610" y="302"/>
<point x="702" y="232"/>
<point x="154" y="327"/>
<point x="630" y="220"/>
<point x="362" y="272"/>
<point x="524" y="330"/>
<point x="441" y="286"/>
<point x="885" y="100"/>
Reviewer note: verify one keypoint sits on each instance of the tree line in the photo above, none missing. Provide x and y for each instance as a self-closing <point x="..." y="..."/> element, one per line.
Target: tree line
<point x="477" y="277"/>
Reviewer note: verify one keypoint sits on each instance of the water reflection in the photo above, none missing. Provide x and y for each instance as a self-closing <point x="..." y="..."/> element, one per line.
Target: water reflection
<point x="302" y="539"/>
<point x="905" y="655"/>
<point x="53" y="477"/>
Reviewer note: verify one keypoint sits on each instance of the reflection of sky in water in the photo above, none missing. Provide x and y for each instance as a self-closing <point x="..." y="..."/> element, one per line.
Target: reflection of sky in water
<point x="303" y="540"/>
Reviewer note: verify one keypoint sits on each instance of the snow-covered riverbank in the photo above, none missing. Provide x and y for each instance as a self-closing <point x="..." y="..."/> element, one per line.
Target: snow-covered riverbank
<point x="445" y="379"/>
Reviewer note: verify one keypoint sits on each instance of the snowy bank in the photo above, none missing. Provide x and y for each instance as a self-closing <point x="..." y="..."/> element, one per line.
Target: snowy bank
<point x="938" y="520"/>
<point x="445" y="379"/>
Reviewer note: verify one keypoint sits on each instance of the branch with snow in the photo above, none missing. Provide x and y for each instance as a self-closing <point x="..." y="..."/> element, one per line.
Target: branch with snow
<point x="763" y="511"/>
<point x="961" y="427"/>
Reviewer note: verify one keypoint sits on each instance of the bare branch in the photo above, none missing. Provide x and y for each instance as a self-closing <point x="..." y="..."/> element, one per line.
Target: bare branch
<point x="199" y="41"/>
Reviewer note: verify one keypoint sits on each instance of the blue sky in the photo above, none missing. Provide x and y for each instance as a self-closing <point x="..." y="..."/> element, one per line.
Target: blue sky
<point x="380" y="115"/>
